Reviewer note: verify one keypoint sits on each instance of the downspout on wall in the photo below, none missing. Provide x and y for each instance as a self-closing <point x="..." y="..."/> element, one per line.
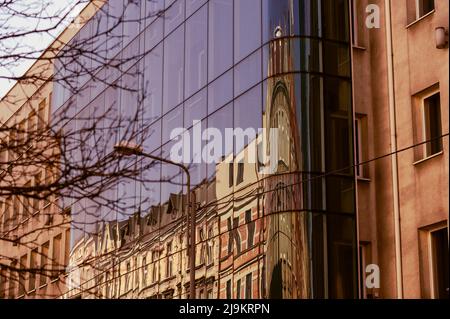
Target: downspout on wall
<point x="394" y="158"/>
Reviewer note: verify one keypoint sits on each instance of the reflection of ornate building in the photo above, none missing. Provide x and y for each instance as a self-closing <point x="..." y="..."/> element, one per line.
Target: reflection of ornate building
<point x="287" y="242"/>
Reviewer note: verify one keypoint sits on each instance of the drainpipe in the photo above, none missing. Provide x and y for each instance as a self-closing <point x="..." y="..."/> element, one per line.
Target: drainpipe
<point x="394" y="159"/>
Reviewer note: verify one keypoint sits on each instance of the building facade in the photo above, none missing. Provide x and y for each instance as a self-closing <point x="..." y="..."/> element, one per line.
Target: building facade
<point x="356" y="183"/>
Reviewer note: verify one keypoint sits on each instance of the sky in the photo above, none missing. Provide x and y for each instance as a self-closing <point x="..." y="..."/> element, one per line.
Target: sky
<point x="33" y="42"/>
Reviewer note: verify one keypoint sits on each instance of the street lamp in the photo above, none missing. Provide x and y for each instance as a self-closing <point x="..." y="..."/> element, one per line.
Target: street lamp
<point x="129" y="148"/>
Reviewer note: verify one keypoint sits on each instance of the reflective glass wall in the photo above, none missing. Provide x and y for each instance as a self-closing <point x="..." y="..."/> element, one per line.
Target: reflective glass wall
<point x="287" y="232"/>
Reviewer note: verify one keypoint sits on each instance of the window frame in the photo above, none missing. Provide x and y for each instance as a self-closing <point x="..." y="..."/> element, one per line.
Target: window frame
<point x="419" y="14"/>
<point x="431" y="258"/>
<point x="425" y="124"/>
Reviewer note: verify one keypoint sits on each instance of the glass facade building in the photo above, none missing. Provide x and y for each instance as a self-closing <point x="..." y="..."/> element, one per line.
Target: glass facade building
<point x="220" y="64"/>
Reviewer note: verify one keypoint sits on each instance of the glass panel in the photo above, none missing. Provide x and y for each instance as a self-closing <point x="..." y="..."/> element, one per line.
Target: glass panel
<point x="196" y="42"/>
<point x="217" y="123"/>
<point x="220" y="92"/>
<point x="247" y="27"/>
<point x="193" y="5"/>
<point x="171" y="121"/>
<point x="153" y="8"/>
<point x="195" y="108"/>
<point x="220" y="54"/>
<point x="152" y="85"/>
<point x="173" y="69"/>
<point x="174" y="16"/>
<point x="152" y="136"/>
<point x="248" y="115"/>
<point x="131" y="20"/>
<point x="247" y="73"/>
<point x="153" y="34"/>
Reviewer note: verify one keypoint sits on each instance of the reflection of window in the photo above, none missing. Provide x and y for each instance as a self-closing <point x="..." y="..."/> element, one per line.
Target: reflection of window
<point x="240" y="173"/>
<point x="33" y="270"/>
<point x="230" y="174"/>
<point x="236" y="234"/>
<point x="144" y="271"/>
<point x="248" y="286"/>
<point x="238" y="289"/>
<point x="432" y="124"/>
<point x="250" y="228"/>
<point x="42" y="115"/>
<point x="210" y="246"/>
<point x="230" y="236"/>
<point x="22" y="273"/>
<point x="169" y="260"/>
<point x="44" y="263"/>
<point x="439" y="263"/>
<point x="56" y="256"/>
<point x="155" y="269"/>
<point x="2" y="282"/>
<point x="127" y="277"/>
<point x="228" y="289"/>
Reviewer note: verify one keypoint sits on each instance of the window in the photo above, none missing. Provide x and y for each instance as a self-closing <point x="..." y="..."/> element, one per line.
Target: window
<point x="423" y="7"/>
<point x="56" y="257"/>
<point x="16" y="210"/>
<point x="26" y="203"/>
<point x="2" y="283"/>
<point x="209" y="294"/>
<point x="22" y="274"/>
<point x="44" y="263"/>
<point x="432" y="124"/>
<point x="248" y="286"/>
<point x="228" y="292"/>
<point x="42" y="120"/>
<point x="360" y="144"/>
<point x="37" y="182"/>
<point x="33" y="269"/>
<point x="238" y="289"/>
<point x="21" y="137"/>
<point x="13" y="279"/>
<point x="67" y="247"/>
<point x="439" y="264"/>
<point x="354" y="25"/>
